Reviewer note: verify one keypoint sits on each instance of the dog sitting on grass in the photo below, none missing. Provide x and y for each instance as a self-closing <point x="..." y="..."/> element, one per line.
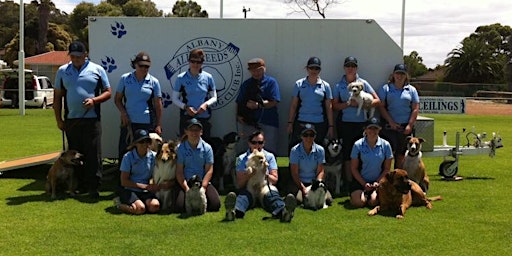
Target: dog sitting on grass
<point x="62" y="172"/>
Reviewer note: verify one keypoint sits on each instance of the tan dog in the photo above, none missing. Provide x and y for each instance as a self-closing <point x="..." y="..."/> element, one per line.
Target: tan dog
<point x="165" y="172"/>
<point x="413" y="163"/>
<point x="397" y="193"/>
<point x="62" y="172"/>
<point x="256" y="168"/>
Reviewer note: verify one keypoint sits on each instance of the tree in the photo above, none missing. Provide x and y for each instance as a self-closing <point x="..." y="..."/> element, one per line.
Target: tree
<point x="78" y="20"/>
<point x="307" y="6"/>
<point x="415" y="64"/>
<point x="141" y="8"/>
<point x="43" y="8"/>
<point x="188" y="9"/>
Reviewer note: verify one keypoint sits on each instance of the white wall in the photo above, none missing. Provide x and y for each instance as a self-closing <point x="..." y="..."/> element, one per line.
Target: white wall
<point x="229" y="43"/>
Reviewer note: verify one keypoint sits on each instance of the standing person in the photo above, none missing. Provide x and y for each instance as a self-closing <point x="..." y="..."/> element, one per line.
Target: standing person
<point x="194" y="91"/>
<point x="257" y="105"/>
<point x="237" y="205"/>
<point x="311" y="103"/>
<point x="399" y="108"/>
<point x="307" y="161"/>
<point x="370" y="161"/>
<point x="349" y="125"/>
<point x="82" y="86"/>
<point x="195" y="157"/>
<point x="139" y="101"/>
<point x="138" y="195"/>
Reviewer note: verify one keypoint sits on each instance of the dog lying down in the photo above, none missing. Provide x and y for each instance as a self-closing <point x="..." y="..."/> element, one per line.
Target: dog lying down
<point x="62" y="172"/>
<point x="195" y="198"/>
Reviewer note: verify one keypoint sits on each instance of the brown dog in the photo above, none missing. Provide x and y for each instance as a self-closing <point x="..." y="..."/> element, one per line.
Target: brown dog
<point x="413" y="163"/>
<point x="62" y="171"/>
<point x="397" y="193"/>
<point x="164" y="172"/>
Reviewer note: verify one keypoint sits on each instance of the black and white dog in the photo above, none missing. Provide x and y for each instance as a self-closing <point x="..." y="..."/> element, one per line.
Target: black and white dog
<point x="224" y="154"/>
<point x="333" y="164"/>
<point x="195" y="197"/>
<point x="316" y="195"/>
<point x="252" y="92"/>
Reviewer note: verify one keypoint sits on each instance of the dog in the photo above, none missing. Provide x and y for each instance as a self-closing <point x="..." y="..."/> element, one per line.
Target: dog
<point x="256" y="168"/>
<point x="165" y="171"/>
<point x="333" y="164"/>
<point x="316" y="195"/>
<point x="397" y="192"/>
<point x="229" y="157"/>
<point x="253" y="93"/>
<point x="413" y="163"/>
<point x="62" y="172"/>
<point x="156" y="141"/>
<point x="363" y="99"/>
<point x="195" y="197"/>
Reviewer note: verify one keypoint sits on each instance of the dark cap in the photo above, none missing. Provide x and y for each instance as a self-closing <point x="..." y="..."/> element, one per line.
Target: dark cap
<point x="255" y="63"/>
<point x="350" y="60"/>
<point x="140" y="135"/>
<point x="76" y="48"/>
<point x="142" y="58"/>
<point x="314" y="62"/>
<point x="193" y="122"/>
<point x="373" y="122"/>
<point x="402" y="68"/>
<point x="308" y="127"/>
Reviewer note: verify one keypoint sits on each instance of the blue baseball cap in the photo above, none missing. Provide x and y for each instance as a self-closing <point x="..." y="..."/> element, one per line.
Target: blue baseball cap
<point x="193" y="122"/>
<point x="350" y="60"/>
<point x="314" y="62"/>
<point x="401" y="68"/>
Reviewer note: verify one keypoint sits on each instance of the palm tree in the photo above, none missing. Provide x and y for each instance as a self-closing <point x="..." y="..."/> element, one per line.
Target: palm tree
<point x="43" y="8"/>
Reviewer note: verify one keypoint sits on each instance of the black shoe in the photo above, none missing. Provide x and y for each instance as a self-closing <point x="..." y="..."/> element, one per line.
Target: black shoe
<point x="290" y="203"/>
<point x="94" y="194"/>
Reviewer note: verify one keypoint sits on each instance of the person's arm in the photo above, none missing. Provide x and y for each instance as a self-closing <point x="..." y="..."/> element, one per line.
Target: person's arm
<point x="180" y="177"/>
<point x="57" y="107"/>
<point x="104" y="96"/>
<point x="412" y="119"/>
<point x="118" y="100"/>
<point x="272" y="176"/>
<point x="292" y="113"/>
<point x="294" y="170"/>
<point x="208" y="174"/>
<point x="158" y="114"/>
<point x="330" y="119"/>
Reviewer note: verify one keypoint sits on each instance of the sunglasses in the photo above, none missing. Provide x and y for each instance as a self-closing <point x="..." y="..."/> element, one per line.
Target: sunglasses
<point x="145" y="141"/>
<point x="196" y="61"/>
<point x="308" y="134"/>
<point x="257" y="142"/>
<point x="143" y="66"/>
<point x="314" y="68"/>
<point x="351" y="66"/>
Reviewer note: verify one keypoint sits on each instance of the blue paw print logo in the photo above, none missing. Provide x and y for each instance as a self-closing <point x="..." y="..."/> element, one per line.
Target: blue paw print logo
<point x="118" y="30"/>
<point x="109" y="64"/>
<point x="166" y="97"/>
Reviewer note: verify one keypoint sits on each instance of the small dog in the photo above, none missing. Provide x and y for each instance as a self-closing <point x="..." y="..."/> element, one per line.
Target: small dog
<point x="165" y="171"/>
<point x="363" y="99"/>
<point x="256" y="168"/>
<point x="316" y="195"/>
<point x="229" y="157"/>
<point x="333" y="164"/>
<point x="195" y="198"/>
<point x="62" y="172"/>
<point x="413" y="163"/>
<point x="397" y="193"/>
<point x="252" y="92"/>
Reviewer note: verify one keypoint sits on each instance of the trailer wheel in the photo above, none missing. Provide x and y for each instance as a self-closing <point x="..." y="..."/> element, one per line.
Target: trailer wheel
<point x="447" y="170"/>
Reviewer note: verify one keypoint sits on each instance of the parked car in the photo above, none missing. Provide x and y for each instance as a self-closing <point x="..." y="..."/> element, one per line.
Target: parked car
<point x="38" y="89"/>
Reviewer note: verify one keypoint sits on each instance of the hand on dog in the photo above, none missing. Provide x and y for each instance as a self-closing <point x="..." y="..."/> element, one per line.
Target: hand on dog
<point x="153" y="188"/>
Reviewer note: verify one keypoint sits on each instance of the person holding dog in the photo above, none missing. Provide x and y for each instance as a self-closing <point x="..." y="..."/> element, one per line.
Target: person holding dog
<point x="399" y="108"/>
<point x="82" y="86"/>
<point x="370" y="161"/>
<point x="195" y="157"/>
<point x="348" y="124"/>
<point x="193" y="92"/>
<point x="237" y="205"/>
<point x="137" y="195"/>
<point x="257" y="105"/>
<point x="311" y="103"/>
<point x="307" y="161"/>
<point x="139" y="101"/>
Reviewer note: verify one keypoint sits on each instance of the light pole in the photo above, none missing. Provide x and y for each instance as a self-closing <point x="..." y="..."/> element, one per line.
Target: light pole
<point x="21" y="63"/>
<point x="403" y="26"/>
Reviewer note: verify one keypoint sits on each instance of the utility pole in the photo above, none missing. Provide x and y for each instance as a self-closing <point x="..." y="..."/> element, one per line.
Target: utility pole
<point x="244" y="10"/>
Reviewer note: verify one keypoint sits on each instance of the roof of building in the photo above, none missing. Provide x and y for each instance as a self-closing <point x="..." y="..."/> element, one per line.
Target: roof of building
<point x="49" y="58"/>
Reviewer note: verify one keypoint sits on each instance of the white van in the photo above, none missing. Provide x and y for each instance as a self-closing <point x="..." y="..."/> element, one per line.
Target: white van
<point x="38" y="89"/>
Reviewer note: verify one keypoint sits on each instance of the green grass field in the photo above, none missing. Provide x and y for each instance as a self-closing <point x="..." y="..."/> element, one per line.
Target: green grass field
<point x="473" y="218"/>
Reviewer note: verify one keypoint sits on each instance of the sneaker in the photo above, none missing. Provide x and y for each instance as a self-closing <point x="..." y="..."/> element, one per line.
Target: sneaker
<point x="229" y="204"/>
<point x="117" y="202"/>
<point x="290" y="203"/>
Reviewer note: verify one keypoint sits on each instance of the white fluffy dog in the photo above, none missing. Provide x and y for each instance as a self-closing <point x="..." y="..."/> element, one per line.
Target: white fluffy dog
<point x="195" y="198"/>
<point x="316" y="195"/>
<point x="256" y="167"/>
<point x="363" y="99"/>
<point x="165" y="171"/>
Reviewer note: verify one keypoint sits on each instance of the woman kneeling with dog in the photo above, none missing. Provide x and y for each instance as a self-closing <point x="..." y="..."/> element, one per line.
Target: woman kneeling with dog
<point x="370" y="161"/>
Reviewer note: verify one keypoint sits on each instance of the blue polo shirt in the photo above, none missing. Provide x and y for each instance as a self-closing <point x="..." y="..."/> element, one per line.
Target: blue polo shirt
<point x="241" y="161"/>
<point x="312" y="99"/>
<point x="195" y="89"/>
<point x="80" y="85"/>
<point x="398" y="101"/>
<point x="341" y="92"/>
<point x="138" y="96"/>
<point x="269" y="91"/>
<point x="308" y="163"/>
<point x="194" y="159"/>
<point x="140" y="168"/>
<point x="371" y="158"/>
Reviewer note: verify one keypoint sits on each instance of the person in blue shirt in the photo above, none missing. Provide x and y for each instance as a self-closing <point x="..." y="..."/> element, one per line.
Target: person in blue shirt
<point x="349" y="125"/>
<point x="237" y="205"/>
<point x="311" y="103"/>
<point x="257" y="105"/>
<point x="400" y="104"/>
<point x="82" y="86"/>
<point x="307" y="161"/>
<point x="194" y="91"/>
<point x="370" y="161"/>
<point x="138" y="195"/>
<point x="195" y="157"/>
<point x="139" y="101"/>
